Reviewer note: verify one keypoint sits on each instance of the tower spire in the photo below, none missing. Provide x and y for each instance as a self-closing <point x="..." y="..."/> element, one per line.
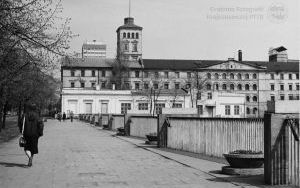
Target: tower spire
<point x="129" y="8"/>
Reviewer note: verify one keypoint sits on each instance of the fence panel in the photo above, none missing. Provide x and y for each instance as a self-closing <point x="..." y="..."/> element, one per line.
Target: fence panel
<point x="215" y="136"/>
<point x="140" y="126"/>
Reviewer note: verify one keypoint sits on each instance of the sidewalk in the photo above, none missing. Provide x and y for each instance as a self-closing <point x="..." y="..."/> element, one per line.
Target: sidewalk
<point x="80" y="155"/>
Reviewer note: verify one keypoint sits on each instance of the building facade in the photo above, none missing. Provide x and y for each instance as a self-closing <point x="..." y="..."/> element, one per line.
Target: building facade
<point x="93" y="49"/>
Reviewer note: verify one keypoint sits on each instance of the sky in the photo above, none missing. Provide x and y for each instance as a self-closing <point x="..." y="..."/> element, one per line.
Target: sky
<point x="191" y="29"/>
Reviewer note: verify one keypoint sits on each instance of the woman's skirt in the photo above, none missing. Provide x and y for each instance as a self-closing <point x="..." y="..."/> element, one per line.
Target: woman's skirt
<point x="31" y="144"/>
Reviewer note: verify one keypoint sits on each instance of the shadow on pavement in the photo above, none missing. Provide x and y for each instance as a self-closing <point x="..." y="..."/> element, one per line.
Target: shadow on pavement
<point x="13" y="165"/>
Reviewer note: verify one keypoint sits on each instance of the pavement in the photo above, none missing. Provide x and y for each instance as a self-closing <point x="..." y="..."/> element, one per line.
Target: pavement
<point x="80" y="155"/>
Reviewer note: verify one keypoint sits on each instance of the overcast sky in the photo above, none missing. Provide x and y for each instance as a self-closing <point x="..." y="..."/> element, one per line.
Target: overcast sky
<point x="191" y="29"/>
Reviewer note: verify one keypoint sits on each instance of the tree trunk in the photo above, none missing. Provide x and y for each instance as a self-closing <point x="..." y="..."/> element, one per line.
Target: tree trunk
<point x="5" y="109"/>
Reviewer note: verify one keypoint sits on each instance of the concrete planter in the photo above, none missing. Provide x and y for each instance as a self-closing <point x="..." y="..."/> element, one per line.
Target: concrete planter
<point x="245" y="160"/>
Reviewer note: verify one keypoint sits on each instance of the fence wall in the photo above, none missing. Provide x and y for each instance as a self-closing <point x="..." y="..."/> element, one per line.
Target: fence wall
<point x="215" y="136"/>
<point x="118" y="121"/>
<point x="140" y="126"/>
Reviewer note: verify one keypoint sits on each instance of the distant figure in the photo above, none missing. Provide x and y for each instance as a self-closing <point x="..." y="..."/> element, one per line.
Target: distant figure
<point x="33" y="129"/>
<point x="71" y="116"/>
<point x="64" y="116"/>
<point x="59" y="116"/>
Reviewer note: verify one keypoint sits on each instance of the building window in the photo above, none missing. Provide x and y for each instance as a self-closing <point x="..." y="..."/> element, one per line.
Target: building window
<point x="72" y="84"/>
<point x="177" y="105"/>
<point x="290" y="87"/>
<point x="177" y="74"/>
<point x="282" y="97"/>
<point x="137" y="74"/>
<point x="156" y="75"/>
<point x="134" y="47"/>
<point x="217" y="87"/>
<point x="127" y="85"/>
<point x="72" y="73"/>
<point x="189" y="75"/>
<point x="247" y="76"/>
<point x="137" y="35"/>
<point x="143" y="106"/>
<point x="208" y="87"/>
<point x="254" y="76"/>
<point x="254" y="98"/>
<point x="236" y="110"/>
<point x="272" y="87"/>
<point x="159" y="107"/>
<point x="93" y="73"/>
<point x="297" y="87"/>
<point x="227" y="110"/>
<point x="103" y="73"/>
<point x="199" y="96"/>
<point x="209" y="95"/>
<point x="224" y="87"/>
<point x="82" y="73"/>
<point x="297" y="97"/>
<point x="93" y="84"/>
<point x="82" y="84"/>
<point x="166" y="86"/>
<point x="231" y="76"/>
<point x="239" y="87"/>
<point x="132" y="35"/>
<point x="146" y="86"/>
<point x="239" y="76"/>
<point x="254" y="110"/>
<point x="125" y="107"/>
<point x="155" y="86"/>
<point x="297" y="76"/>
<point x="223" y="76"/>
<point x="290" y="97"/>
<point x="248" y="110"/>
<point x="124" y="35"/>
<point x="247" y="98"/>
<point x="146" y="74"/>
<point x="208" y="76"/>
<point x="166" y="74"/>
<point x="254" y="87"/>
<point x="216" y="76"/>
<point x="176" y="85"/>
<point x="231" y="87"/>
<point x="272" y="76"/>
<point x="290" y="76"/>
<point x="247" y="87"/>
<point x="128" y="35"/>
<point x="126" y="47"/>
<point x="281" y="76"/>
<point x="103" y="85"/>
<point x="281" y="87"/>
<point x="272" y="98"/>
<point x="200" y="109"/>
<point x="137" y="86"/>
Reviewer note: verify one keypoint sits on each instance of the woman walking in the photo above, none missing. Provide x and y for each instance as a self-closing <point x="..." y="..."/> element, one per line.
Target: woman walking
<point x="33" y="129"/>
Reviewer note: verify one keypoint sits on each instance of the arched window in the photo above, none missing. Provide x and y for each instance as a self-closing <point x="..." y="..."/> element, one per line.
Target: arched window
<point x="223" y="76"/>
<point x="224" y="87"/>
<point x="137" y="35"/>
<point x="254" y="110"/>
<point x="208" y="76"/>
<point x="247" y="87"/>
<point x="254" y="98"/>
<point x="217" y="86"/>
<point x="239" y="76"/>
<point x="132" y="35"/>
<point x="231" y="76"/>
<point x="239" y="87"/>
<point x="128" y="35"/>
<point x="254" y="87"/>
<point x="247" y="98"/>
<point x="208" y="87"/>
<point x="231" y="86"/>
<point x="254" y="76"/>
<point x="247" y="76"/>
<point x="216" y="76"/>
<point x="248" y="110"/>
<point x="124" y="35"/>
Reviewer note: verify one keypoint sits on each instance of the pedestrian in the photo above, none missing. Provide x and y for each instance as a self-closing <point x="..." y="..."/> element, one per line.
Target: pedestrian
<point x="59" y="116"/>
<point x="64" y="116"/>
<point x="33" y="130"/>
<point x="71" y="116"/>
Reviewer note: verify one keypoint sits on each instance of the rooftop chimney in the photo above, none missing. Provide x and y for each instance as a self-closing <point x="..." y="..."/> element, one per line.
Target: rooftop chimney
<point x="240" y="55"/>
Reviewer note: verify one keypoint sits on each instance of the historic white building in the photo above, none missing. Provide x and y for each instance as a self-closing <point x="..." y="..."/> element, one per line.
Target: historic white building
<point x="94" y="49"/>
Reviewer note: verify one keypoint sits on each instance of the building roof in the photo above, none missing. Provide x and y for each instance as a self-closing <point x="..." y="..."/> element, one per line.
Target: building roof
<point x="94" y="46"/>
<point x="129" y="24"/>
<point x="177" y="64"/>
<point x="280" y="49"/>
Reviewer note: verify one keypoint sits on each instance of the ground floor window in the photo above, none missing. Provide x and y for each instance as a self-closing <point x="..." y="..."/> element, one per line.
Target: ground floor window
<point x="227" y="110"/>
<point x="200" y="109"/>
<point x="159" y="107"/>
<point x="177" y="105"/>
<point x="143" y="106"/>
<point x="125" y="107"/>
<point x="236" y="110"/>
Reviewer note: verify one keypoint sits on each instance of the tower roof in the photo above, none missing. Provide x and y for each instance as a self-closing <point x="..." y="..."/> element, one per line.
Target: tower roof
<point x="129" y="24"/>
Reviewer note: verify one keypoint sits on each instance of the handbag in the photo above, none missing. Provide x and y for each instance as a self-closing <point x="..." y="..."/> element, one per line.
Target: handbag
<point x="22" y="141"/>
